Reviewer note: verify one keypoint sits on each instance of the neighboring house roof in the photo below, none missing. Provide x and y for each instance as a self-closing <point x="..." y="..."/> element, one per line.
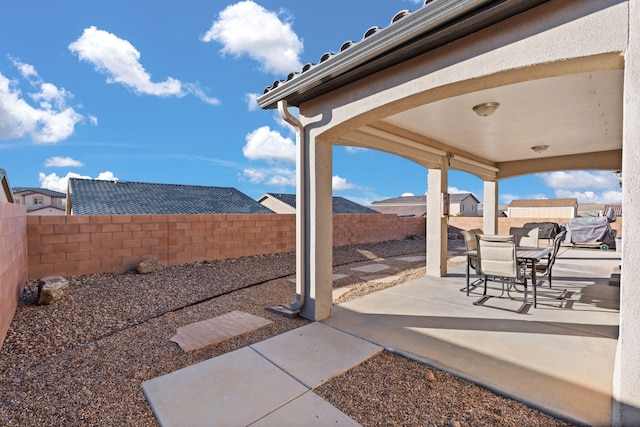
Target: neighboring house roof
<point x="5" y="187"/>
<point x="95" y="197"/>
<point x="544" y="203"/>
<point x="37" y="208"/>
<point x="415" y="206"/>
<point x="502" y="209"/>
<point x="459" y="197"/>
<point x="35" y="190"/>
<point x="340" y="204"/>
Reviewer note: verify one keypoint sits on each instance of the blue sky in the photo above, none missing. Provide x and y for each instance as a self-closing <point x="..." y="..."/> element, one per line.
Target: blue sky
<point x="164" y="91"/>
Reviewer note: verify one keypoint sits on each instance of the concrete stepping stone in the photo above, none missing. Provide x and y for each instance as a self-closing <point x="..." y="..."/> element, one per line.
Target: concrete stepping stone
<point x="315" y="353"/>
<point x="371" y="268"/>
<point x="308" y="410"/>
<point x="234" y="389"/>
<point x="412" y="258"/>
<point x="218" y="329"/>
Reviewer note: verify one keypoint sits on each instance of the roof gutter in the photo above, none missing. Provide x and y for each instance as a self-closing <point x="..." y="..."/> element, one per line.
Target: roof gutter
<point x="433" y="25"/>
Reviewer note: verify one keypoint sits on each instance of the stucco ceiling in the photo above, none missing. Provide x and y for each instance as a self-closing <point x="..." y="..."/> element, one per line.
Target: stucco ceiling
<point x="578" y="113"/>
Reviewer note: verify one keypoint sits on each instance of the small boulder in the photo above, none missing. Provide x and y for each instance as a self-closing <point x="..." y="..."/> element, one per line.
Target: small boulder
<point x="52" y="289"/>
<point x="151" y="265"/>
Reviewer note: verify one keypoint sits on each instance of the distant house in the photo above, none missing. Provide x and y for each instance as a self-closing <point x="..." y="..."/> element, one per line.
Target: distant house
<point x="502" y="210"/>
<point x="286" y="204"/>
<point x="406" y="206"/>
<point x="544" y="208"/>
<point x="599" y="209"/>
<point x="416" y="206"/>
<point x="463" y="204"/>
<point x="98" y="197"/>
<point x="40" y="201"/>
<point x="6" y="195"/>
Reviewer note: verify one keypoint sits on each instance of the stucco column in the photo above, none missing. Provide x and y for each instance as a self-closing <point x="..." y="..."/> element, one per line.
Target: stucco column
<point x="317" y="223"/>
<point x="626" y="386"/>
<point x="437" y="185"/>
<point x="490" y="208"/>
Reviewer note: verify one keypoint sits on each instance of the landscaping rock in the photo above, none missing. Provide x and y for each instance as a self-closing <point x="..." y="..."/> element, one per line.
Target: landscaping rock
<point x="52" y="289"/>
<point x="151" y="265"/>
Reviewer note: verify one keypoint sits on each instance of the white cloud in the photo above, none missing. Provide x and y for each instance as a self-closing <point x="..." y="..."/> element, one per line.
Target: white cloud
<point x="50" y="121"/>
<point x="120" y="61"/>
<point x="266" y="144"/>
<point x="456" y="190"/>
<point x="407" y="195"/>
<point x="93" y="120"/>
<point x="580" y="180"/>
<point x="280" y="177"/>
<point x="582" y="185"/>
<point x="610" y="196"/>
<point x="246" y="28"/>
<point x="354" y="150"/>
<point x="338" y="183"/>
<point x="62" y="162"/>
<point x="56" y="183"/>
<point x="252" y="101"/>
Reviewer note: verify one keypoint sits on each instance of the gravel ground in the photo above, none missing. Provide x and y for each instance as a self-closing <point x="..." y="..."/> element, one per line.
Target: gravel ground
<point x="81" y="361"/>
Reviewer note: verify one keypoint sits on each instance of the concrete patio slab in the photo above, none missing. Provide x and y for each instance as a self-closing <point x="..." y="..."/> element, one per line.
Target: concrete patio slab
<point x="233" y="389"/>
<point x="338" y="292"/>
<point x="307" y="410"/>
<point x="558" y="360"/>
<point x="315" y="353"/>
<point x="371" y="268"/>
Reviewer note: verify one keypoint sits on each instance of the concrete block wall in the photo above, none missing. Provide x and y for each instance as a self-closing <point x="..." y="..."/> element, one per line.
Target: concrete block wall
<point x="350" y="229"/>
<point x="13" y="261"/>
<point x="87" y="244"/>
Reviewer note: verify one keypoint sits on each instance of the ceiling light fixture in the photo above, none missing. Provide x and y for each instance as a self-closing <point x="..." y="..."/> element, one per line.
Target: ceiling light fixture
<point x="486" y="108"/>
<point x="539" y="148"/>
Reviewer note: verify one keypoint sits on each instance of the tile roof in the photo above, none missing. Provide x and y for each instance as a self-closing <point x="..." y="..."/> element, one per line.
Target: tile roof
<point x="340" y="204"/>
<point x="32" y="190"/>
<point x="409" y="200"/>
<point x="403" y="200"/>
<point x="408" y="34"/>
<point x="544" y="203"/>
<point x="97" y="197"/>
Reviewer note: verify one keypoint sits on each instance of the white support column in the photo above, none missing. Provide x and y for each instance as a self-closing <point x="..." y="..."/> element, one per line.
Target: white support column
<point x="316" y="197"/>
<point x="437" y="233"/>
<point x="626" y="387"/>
<point x="490" y="205"/>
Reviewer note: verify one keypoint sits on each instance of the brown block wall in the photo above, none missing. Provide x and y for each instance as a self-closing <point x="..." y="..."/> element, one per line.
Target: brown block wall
<point x="13" y="261"/>
<point x="350" y="229"/>
<point x="77" y="245"/>
<point x="86" y="244"/>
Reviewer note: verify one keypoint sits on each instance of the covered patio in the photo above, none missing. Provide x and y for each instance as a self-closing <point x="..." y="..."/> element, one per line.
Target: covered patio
<point x="559" y="357"/>
<point x="496" y="89"/>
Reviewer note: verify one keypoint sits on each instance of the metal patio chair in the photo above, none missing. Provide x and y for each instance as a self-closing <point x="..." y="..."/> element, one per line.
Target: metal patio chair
<point x="498" y="262"/>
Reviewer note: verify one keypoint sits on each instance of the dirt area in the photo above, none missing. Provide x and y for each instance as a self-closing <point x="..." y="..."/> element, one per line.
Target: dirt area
<point x="81" y="361"/>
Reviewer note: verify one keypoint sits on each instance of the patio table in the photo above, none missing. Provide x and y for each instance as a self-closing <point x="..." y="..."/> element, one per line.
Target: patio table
<point x="532" y="255"/>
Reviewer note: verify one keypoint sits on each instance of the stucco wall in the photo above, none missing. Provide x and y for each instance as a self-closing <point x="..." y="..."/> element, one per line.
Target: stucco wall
<point x="13" y="261"/>
<point x="79" y="244"/>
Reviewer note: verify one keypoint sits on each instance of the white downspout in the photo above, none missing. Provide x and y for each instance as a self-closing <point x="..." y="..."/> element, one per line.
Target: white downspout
<point x="301" y="209"/>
